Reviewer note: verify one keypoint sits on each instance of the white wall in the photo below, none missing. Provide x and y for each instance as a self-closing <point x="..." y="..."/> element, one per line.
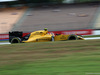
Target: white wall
<point x="96" y="32"/>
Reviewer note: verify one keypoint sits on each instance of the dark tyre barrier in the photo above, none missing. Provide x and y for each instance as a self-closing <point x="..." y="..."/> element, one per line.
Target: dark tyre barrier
<point x="72" y="37"/>
<point x="16" y="40"/>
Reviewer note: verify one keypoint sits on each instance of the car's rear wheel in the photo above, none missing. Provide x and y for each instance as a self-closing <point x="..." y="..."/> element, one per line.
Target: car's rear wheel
<point x="16" y="40"/>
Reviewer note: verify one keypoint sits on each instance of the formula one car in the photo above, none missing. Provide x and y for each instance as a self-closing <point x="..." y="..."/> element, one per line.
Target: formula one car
<point x="40" y="36"/>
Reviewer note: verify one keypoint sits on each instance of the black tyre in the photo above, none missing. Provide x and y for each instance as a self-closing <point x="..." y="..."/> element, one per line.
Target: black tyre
<point x="16" y="40"/>
<point x="72" y="37"/>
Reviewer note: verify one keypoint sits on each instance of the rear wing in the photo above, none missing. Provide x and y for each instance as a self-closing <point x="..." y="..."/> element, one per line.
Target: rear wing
<point x="15" y="34"/>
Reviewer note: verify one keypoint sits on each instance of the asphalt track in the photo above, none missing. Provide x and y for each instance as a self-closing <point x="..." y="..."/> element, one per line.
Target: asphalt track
<point x="92" y="38"/>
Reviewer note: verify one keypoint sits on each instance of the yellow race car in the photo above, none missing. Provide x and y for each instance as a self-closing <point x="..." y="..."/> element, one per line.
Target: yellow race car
<point x="40" y="36"/>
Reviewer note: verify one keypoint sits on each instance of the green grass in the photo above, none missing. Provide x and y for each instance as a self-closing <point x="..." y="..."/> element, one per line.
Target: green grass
<point x="51" y="58"/>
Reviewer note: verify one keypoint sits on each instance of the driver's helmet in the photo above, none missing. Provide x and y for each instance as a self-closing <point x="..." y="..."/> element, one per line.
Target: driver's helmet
<point x="45" y="29"/>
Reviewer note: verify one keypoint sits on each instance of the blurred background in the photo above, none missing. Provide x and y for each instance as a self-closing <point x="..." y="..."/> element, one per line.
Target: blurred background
<point x="56" y="15"/>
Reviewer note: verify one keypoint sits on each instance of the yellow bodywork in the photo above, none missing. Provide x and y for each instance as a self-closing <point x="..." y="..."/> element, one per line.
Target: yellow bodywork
<point x="43" y="36"/>
<point x="39" y="36"/>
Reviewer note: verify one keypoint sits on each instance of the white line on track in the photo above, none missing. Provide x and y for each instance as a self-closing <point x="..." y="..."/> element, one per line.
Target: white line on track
<point x="4" y="43"/>
<point x="92" y="38"/>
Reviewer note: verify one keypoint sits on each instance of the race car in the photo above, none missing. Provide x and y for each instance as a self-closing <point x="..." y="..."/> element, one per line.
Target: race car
<point x="40" y="36"/>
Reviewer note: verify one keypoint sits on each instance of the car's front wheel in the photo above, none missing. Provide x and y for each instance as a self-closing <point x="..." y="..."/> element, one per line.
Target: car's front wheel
<point x="72" y="37"/>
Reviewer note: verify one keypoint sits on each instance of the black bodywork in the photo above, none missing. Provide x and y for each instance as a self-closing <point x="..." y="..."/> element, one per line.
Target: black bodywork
<point x="17" y="36"/>
<point x="14" y="34"/>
